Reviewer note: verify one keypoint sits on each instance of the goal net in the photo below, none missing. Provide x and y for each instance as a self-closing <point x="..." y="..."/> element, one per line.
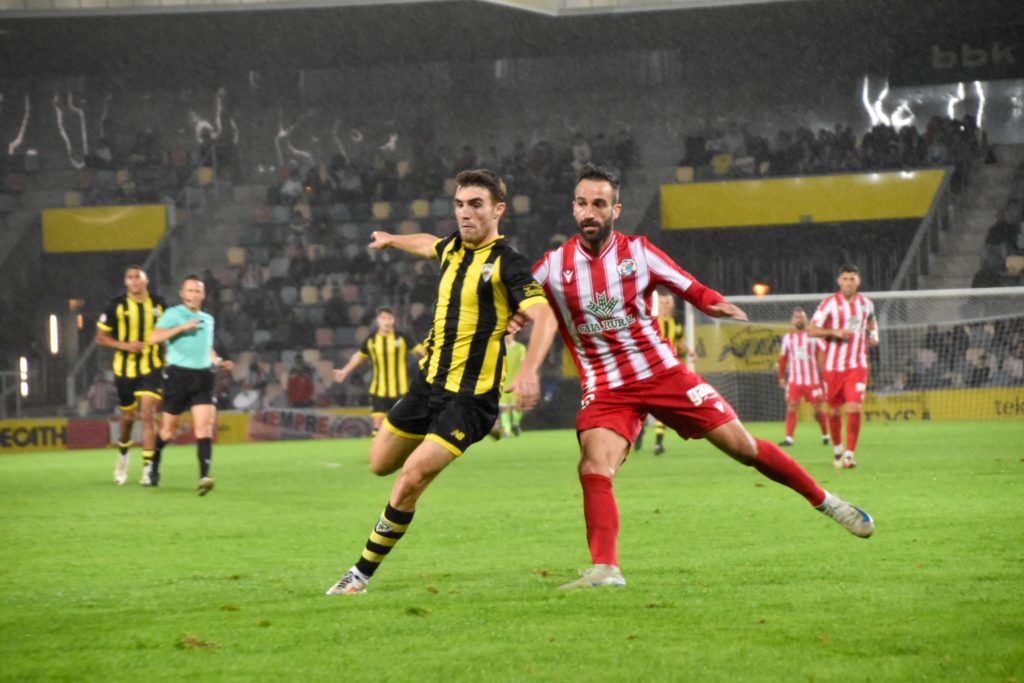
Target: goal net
<point x="943" y="354"/>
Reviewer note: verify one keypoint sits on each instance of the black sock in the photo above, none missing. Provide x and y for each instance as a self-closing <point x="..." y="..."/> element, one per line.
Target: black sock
<point x="158" y="451"/>
<point x="204" y="451"/>
<point x="390" y="528"/>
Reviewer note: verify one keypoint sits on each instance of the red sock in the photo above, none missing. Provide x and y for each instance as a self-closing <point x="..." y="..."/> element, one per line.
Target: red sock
<point x="790" y="423"/>
<point x="852" y="430"/>
<point x="819" y="414"/>
<point x="835" y="426"/>
<point x="773" y="463"/>
<point x="602" y="516"/>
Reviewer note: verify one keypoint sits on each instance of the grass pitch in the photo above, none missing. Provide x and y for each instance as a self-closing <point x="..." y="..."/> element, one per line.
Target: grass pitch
<point x="731" y="577"/>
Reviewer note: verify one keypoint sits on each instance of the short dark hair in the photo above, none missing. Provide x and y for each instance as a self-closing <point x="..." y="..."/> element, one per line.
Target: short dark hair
<point x="135" y="266"/>
<point x="481" y="177"/>
<point x="600" y="173"/>
<point x="849" y="268"/>
<point x="192" y="276"/>
<point x="384" y="309"/>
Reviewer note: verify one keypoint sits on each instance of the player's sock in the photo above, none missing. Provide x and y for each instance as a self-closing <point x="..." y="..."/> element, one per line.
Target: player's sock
<point x="517" y="417"/>
<point x="790" y="424"/>
<point x="819" y="415"/>
<point x="147" y="457"/>
<point x="123" y="446"/>
<point x="204" y="452"/>
<point x="659" y="433"/>
<point x="852" y="430"/>
<point x="506" y="421"/>
<point x="773" y="463"/>
<point x="391" y="526"/>
<point x="602" y="517"/>
<point x="835" y="428"/>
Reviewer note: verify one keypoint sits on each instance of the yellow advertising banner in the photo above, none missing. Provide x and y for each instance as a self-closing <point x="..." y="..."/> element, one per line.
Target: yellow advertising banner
<point x="103" y="228"/>
<point x="47" y="434"/>
<point x="791" y="201"/>
<point x="995" y="403"/>
<point x="737" y="348"/>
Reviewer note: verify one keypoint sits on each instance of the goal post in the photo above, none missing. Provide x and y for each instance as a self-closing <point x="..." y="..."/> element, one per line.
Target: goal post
<point x="943" y="354"/>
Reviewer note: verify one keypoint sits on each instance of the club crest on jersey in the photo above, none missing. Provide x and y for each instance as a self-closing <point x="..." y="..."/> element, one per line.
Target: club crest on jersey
<point x="486" y="270"/>
<point x="626" y="267"/>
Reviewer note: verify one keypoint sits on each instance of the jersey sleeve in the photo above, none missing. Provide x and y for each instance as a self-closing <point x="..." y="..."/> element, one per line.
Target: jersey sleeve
<point x="665" y="271"/>
<point x="541" y="270"/>
<point x="821" y="315"/>
<point x="442" y="245"/>
<point x="523" y="290"/>
<point x="107" y="318"/>
<point x="170" y="318"/>
<point x="364" y="348"/>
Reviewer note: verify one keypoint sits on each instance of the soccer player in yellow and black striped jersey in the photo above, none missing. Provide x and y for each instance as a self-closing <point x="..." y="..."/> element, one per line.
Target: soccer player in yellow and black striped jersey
<point x="453" y="401"/>
<point x="388" y="351"/>
<point x="125" y="326"/>
<point x="672" y="331"/>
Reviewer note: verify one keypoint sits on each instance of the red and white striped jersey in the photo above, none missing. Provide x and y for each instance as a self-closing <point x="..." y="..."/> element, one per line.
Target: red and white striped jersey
<point x="603" y="307"/>
<point x="798" y="358"/>
<point x="838" y="313"/>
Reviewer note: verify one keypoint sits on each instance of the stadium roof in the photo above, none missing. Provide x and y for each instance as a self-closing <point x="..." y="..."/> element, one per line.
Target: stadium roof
<point x="54" y="8"/>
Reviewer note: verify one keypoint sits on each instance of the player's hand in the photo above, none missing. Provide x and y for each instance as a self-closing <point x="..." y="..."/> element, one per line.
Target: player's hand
<point x="518" y="321"/>
<point x="728" y="310"/>
<point x="380" y="240"/>
<point x="191" y="324"/>
<point x="339" y="376"/>
<point x="136" y="346"/>
<point x="227" y="365"/>
<point x="782" y="384"/>
<point x="526" y="387"/>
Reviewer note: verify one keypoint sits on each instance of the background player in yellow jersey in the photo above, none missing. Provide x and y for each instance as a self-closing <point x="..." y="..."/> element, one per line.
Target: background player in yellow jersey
<point x="674" y="333"/>
<point x="510" y="415"/>
<point x="388" y="351"/>
<point x="453" y="401"/>
<point x="124" y="326"/>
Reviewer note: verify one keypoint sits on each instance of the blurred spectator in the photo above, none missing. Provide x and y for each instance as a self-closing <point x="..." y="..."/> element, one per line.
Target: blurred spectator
<point x="102" y="395"/>
<point x="300" y="389"/>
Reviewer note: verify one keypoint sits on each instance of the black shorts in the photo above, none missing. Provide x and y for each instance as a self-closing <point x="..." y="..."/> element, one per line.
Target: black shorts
<point x="456" y="421"/>
<point x="185" y="387"/>
<point x="381" y="404"/>
<point x="129" y="388"/>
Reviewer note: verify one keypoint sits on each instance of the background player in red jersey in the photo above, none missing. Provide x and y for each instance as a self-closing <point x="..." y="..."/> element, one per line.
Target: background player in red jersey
<point x="600" y="284"/>
<point x="846" y="321"/>
<point x="799" y="376"/>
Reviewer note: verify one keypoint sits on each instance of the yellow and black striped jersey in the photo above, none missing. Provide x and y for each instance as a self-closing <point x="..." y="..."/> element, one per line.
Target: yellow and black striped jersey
<point x="388" y="353"/>
<point x="479" y="290"/>
<point x="672" y="331"/>
<point x="126" y="320"/>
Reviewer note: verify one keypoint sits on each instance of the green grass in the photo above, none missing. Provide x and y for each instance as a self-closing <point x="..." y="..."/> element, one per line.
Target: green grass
<point x="731" y="577"/>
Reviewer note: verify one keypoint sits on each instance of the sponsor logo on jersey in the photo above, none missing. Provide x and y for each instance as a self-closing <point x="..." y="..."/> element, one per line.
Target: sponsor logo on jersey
<point x="603" y="307"/>
<point x="567" y="274"/>
<point x="458" y="434"/>
<point x="701" y="392"/>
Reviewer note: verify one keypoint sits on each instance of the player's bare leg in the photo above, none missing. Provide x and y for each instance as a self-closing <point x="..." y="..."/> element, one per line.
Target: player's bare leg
<point x="768" y="459"/>
<point x="602" y="452"/>
<point x="418" y="468"/>
<point x="389" y="451"/>
<point x="124" y="445"/>
<point x="204" y="421"/>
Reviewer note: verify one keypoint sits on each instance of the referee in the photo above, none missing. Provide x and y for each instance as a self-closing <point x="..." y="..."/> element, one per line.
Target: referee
<point x="453" y="401"/>
<point x="388" y="352"/>
<point x="124" y="326"/>
<point x="188" y="378"/>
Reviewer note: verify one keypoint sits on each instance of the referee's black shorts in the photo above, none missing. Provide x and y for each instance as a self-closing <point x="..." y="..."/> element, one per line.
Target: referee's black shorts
<point x="456" y="421"/>
<point x="185" y="387"/>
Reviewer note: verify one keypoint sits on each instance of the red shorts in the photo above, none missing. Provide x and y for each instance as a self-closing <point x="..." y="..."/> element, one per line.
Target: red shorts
<point x="845" y="386"/>
<point x="676" y="397"/>
<point x="812" y="393"/>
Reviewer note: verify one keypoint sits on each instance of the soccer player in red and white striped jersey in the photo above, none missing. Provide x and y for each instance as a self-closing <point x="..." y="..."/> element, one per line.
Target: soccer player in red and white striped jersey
<point x="846" y="321"/>
<point x="798" y="374"/>
<point x="601" y="284"/>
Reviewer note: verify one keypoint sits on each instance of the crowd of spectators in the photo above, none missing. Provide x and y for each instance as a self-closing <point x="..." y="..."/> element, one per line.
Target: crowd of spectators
<point x="1002" y="256"/>
<point x="984" y="354"/>
<point x="736" y="152"/>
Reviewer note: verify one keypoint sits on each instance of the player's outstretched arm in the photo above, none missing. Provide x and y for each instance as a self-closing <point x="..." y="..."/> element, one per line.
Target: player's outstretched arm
<point x="724" y="309"/>
<point x="162" y="334"/>
<point x="353" y="363"/>
<point x="526" y="383"/>
<point x="420" y="244"/>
